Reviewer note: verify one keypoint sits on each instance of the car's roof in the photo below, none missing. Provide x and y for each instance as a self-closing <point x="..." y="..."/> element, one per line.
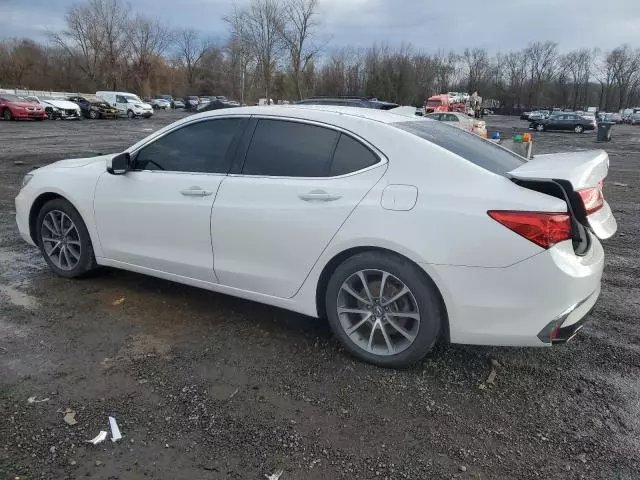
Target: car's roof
<point x="313" y="112"/>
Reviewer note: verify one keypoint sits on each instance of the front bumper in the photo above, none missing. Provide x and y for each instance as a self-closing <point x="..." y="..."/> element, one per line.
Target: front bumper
<point x="22" y="217"/>
<point x="23" y="114"/>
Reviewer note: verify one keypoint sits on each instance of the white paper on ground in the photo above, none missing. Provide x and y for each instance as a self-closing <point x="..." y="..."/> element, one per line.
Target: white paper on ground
<point x="115" y="431"/>
<point x="101" y="437"/>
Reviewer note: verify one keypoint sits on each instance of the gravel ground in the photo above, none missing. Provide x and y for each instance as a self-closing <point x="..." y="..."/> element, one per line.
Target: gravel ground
<point x="207" y="386"/>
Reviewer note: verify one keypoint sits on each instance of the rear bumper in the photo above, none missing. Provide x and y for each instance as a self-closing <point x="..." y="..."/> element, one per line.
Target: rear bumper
<point x="511" y="306"/>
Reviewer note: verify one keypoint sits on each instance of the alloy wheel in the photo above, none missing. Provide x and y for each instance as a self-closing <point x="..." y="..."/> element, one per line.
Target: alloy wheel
<point x="61" y="240"/>
<point x="378" y="312"/>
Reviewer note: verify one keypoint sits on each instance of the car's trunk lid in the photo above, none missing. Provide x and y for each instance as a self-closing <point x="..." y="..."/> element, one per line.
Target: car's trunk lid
<point x="566" y="174"/>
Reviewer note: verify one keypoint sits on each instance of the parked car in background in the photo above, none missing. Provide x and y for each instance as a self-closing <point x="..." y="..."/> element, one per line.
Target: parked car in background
<point x="128" y="104"/>
<point x="564" y="121"/>
<point x="215" y="105"/>
<point x="191" y="102"/>
<point x="539" y="115"/>
<point x="94" y="107"/>
<point x="525" y="115"/>
<point x="476" y="245"/>
<point x="460" y="120"/>
<point x="178" y="103"/>
<point x="634" y="118"/>
<point x="160" y="104"/>
<point x="347" y="101"/>
<point x="613" y="117"/>
<point x="15" y="107"/>
<point x="168" y="98"/>
<point x="57" y="107"/>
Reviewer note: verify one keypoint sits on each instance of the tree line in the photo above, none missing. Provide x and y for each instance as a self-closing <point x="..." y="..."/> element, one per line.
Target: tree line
<point x="276" y="49"/>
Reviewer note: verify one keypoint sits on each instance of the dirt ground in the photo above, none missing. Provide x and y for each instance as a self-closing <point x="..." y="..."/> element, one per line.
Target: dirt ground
<point x="206" y="386"/>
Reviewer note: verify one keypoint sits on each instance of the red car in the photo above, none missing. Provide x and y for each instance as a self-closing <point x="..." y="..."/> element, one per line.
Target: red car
<point x="13" y="107"/>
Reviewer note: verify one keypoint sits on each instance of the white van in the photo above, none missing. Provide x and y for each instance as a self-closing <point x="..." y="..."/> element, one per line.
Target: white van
<point x="127" y="104"/>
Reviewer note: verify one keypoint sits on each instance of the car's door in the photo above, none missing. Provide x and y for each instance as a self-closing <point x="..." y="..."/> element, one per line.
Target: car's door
<point x="121" y="105"/>
<point x="298" y="184"/>
<point x="158" y="214"/>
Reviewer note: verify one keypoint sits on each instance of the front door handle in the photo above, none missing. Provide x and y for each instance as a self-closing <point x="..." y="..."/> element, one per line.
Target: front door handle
<point x="195" y="192"/>
<point x="319" y="196"/>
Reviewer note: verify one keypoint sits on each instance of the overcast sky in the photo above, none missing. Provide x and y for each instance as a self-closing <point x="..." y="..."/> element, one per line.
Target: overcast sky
<point x="499" y="25"/>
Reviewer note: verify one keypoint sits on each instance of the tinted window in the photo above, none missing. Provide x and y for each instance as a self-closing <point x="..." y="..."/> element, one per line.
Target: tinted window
<point x="198" y="147"/>
<point x="351" y="156"/>
<point x="465" y="144"/>
<point x="120" y="99"/>
<point x="289" y="149"/>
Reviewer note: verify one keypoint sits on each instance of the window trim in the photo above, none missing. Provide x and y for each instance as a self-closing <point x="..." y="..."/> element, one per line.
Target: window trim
<point x="242" y="153"/>
<point x="231" y="153"/>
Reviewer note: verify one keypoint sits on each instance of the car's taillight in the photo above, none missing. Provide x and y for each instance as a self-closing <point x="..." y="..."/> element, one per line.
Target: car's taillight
<point x="592" y="198"/>
<point x="543" y="229"/>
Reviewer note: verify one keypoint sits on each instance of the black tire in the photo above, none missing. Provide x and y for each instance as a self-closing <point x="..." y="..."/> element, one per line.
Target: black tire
<point x="578" y="129"/>
<point x="7" y="115"/>
<point x="130" y="114"/>
<point x="86" y="261"/>
<point x="432" y="316"/>
<point x="93" y="115"/>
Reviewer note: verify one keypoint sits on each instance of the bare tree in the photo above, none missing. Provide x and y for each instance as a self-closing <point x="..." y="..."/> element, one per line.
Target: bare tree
<point x="542" y="58"/>
<point x="298" y="32"/>
<point x="83" y="39"/>
<point x="477" y="63"/>
<point x="148" y="40"/>
<point x="262" y="27"/>
<point x="191" y="48"/>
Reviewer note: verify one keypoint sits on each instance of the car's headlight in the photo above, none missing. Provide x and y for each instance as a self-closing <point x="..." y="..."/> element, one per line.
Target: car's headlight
<point x="27" y="178"/>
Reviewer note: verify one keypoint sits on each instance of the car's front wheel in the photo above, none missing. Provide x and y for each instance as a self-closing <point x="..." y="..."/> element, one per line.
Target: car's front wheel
<point x="6" y="114"/>
<point x="540" y="127"/>
<point x="93" y="115"/>
<point x="383" y="309"/>
<point x="130" y="114"/>
<point x="578" y="129"/>
<point x="63" y="239"/>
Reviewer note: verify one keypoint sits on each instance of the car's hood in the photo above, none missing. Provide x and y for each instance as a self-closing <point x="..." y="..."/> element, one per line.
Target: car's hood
<point x="25" y="104"/>
<point x="63" y="104"/>
<point x="80" y="162"/>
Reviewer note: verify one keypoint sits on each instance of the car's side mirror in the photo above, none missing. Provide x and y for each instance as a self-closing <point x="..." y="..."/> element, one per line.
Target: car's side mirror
<point x="120" y="164"/>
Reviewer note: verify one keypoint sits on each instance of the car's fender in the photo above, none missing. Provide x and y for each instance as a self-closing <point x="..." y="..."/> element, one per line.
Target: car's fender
<point x="77" y="185"/>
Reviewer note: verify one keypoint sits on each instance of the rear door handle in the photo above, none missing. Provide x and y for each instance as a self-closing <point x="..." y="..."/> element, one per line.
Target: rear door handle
<point x="195" y="192"/>
<point x="319" y="196"/>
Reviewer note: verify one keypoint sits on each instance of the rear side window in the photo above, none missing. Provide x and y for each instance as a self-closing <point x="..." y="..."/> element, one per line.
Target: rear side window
<point x="197" y="147"/>
<point x="289" y="149"/>
<point x="351" y="156"/>
<point x="465" y="144"/>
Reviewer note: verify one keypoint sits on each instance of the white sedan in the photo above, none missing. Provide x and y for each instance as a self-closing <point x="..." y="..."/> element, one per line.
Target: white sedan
<point x="399" y="230"/>
<point x="57" y="107"/>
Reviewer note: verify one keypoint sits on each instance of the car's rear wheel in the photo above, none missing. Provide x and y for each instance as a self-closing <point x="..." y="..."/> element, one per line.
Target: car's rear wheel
<point x="540" y="127"/>
<point x="93" y="114"/>
<point x="64" y="240"/>
<point x="7" y="115"/>
<point x="383" y="309"/>
<point x="578" y="129"/>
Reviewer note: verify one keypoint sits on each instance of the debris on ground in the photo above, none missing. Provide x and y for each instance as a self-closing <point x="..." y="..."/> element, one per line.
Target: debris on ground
<point x="491" y="379"/>
<point x="70" y="417"/>
<point x="34" y="399"/>
<point x="620" y="184"/>
<point x="118" y="301"/>
<point x="235" y="392"/>
<point x="274" y="476"/>
<point x="101" y="437"/>
<point x="115" y="431"/>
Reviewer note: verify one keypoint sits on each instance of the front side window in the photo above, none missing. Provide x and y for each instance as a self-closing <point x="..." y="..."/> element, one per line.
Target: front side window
<point x="289" y="149"/>
<point x="197" y="147"/>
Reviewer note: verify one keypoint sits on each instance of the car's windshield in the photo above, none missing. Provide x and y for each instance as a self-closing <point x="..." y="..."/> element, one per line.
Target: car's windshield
<point x="132" y="98"/>
<point x="434" y="102"/>
<point x="12" y="98"/>
<point x="467" y="145"/>
<point x="49" y="98"/>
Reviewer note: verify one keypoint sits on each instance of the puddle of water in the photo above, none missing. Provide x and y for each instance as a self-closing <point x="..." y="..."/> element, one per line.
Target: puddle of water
<point x="18" y="298"/>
